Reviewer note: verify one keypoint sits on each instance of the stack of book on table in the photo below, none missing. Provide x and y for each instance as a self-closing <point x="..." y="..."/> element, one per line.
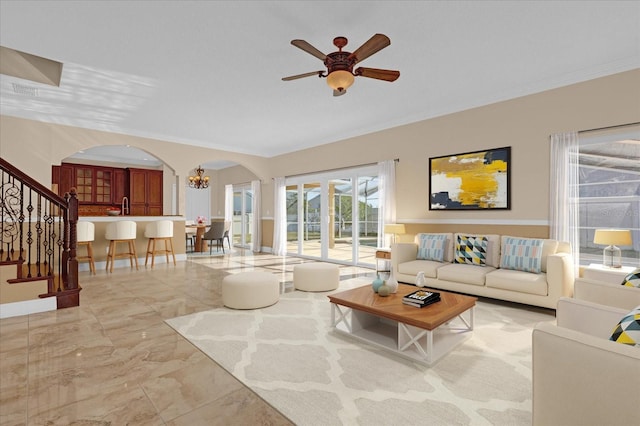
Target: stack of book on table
<point x="421" y="298"/>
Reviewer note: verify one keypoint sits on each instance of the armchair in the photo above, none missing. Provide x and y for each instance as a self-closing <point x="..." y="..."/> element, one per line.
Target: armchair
<point x="580" y="377"/>
<point x="605" y="293"/>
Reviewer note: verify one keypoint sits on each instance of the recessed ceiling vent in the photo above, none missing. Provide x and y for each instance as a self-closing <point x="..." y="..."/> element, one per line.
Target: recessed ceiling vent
<point x="21" y="89"/>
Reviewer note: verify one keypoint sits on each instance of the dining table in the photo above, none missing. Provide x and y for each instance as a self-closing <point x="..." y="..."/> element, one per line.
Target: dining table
<point x="201" y="244"/>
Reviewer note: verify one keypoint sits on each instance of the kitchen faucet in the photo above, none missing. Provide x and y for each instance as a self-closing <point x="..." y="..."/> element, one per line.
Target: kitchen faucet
<point x="124" y="208"/>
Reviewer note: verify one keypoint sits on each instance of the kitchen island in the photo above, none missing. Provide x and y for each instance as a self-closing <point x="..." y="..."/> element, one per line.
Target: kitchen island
<point x="101" y="244"/>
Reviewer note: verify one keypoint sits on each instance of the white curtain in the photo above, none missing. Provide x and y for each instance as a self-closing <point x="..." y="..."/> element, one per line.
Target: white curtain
<point x="256" y="225"/>
<point x="228" y="209"/>
<point x="387" y="199"/>
<point x="279" y="217"/>
<point x="564" y="219"/>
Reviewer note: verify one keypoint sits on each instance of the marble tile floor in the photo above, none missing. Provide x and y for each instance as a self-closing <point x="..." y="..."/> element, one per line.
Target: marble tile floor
<point x="114" y="361"/>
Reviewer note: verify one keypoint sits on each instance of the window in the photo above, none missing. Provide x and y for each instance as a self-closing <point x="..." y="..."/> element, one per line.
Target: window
<point x="609" y="192"/>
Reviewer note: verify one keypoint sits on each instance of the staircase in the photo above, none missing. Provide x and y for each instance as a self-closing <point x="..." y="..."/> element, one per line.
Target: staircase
<point x="38" y="264"/>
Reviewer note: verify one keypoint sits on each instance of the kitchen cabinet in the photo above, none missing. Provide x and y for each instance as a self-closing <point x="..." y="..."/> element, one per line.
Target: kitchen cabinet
<point x="145" y="192"/>
<point x="99" y="187"/>
<point x="93" y="183"/>
<point x="120" y="186"/>
<point x="63" y="177"/>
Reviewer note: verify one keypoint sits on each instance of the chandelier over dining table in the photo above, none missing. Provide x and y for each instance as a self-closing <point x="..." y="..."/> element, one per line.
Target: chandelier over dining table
<point x="199" y="181"/>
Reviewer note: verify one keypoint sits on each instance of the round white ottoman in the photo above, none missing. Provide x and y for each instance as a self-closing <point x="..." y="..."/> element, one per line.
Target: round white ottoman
<point x="250" y="290"/>
<point x="316" y="276"/>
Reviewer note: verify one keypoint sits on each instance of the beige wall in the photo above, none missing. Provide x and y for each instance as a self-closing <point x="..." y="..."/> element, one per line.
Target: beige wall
<point x="34" y="146"/>
<point x="17" y="293"/>
<point x="234" y="175"/>
<point x="524" y="124"/>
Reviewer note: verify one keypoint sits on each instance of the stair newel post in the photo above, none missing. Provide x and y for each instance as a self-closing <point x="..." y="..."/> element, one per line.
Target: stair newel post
<point x="72" y="202"/>
<point x="64" y="267"/>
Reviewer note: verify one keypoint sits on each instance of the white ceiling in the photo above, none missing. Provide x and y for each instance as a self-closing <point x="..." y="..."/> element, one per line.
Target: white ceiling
<point x="208" y="73"/>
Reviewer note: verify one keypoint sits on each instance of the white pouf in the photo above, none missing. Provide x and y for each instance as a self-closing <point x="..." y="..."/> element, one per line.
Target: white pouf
<point x="316" y="276"/>
<point x="250" y="290"/>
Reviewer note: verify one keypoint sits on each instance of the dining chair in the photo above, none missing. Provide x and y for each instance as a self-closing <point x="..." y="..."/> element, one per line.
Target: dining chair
<point x="215" y="233"/>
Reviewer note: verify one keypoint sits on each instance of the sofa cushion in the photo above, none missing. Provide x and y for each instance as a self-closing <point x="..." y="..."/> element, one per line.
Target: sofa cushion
<point x="522" y="254"/>
<point x="471" y="250"/>
<point x="431" y="247"/>
<point x="522" y="282"/>
<point x="493" y="247"/>
<point x="627" y="331"/>
<point x="448" y="245"/>
<point x="549" y="247"/>
<point x="412" y="267"/>
<point x="633" y="279"/>
<point x="464" y="273"/>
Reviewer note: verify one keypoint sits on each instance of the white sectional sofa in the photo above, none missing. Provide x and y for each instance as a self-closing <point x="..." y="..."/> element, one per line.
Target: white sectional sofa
<point x="544" y="288"/>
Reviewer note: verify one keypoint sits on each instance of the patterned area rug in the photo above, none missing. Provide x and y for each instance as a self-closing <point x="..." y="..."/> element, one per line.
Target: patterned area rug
<point x="288" y="354"/>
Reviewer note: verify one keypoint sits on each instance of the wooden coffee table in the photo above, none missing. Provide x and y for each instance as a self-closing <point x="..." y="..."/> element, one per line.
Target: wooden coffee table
<point x="422" y="334"/>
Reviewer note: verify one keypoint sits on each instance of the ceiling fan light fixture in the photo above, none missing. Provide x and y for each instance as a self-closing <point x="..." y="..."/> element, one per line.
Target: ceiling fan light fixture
<point x="340" y="80"/>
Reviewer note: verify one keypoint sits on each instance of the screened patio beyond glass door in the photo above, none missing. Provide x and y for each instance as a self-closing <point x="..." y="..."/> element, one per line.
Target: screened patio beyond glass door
<point x="242" y="216"/>
<point x="328" y="219"/>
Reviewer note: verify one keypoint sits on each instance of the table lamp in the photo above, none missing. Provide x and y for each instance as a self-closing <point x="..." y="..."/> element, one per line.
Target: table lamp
<point x="611" y="255"/>
<point x="394" y="229"/>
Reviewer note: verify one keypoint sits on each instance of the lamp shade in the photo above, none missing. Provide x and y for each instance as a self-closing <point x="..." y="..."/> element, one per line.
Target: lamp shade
<point x="340" y="80"/>
<point x="612" y="237"/>
<point x="394" y="228"/>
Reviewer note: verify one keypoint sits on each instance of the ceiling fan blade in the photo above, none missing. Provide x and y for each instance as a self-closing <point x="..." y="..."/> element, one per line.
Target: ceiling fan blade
<point x="339" y="92"/>
<point x="371" y="46"/>
<point x="307" y="74"/>
<point x="301" y="44"/>
<point x="386" y="75"/>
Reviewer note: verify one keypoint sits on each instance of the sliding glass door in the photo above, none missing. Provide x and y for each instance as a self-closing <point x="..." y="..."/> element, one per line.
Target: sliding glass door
<point x="242" y="216"/>
<point x="367" y="231"/>
<point x="340" y="227"/>
<point x="333" y="216"/>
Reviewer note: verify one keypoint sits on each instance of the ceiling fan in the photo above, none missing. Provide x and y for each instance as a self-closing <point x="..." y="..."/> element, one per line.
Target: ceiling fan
<point x="340" y="73"/>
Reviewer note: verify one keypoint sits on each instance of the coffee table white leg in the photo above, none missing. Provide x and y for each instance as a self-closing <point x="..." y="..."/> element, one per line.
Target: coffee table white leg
<point x="402" y="328"/>
<point x="469" y="324"/>
<point x="342" y="317"/>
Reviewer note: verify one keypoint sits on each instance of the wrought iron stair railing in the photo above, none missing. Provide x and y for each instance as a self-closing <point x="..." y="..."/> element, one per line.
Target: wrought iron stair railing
<point x="38" y="234"/>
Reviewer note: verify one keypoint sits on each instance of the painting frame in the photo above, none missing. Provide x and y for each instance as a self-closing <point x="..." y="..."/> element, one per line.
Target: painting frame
<point x="474" y="180"/>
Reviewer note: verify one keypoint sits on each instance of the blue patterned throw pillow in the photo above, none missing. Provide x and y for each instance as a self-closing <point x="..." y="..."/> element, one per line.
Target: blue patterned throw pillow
<point x="471" y="250"/>
<point x="431" y="247"/>
<point x="633" y="279"/>
<point x="522" y="254"/>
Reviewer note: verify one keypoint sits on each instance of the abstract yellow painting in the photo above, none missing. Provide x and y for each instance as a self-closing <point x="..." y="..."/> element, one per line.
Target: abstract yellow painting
<point x="470" y="181"/>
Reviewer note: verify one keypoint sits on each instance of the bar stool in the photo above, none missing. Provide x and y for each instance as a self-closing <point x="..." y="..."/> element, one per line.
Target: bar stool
<point x="121" y="232"/>
<point x="159" y="230"/>
<point x="86" y="235"/>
